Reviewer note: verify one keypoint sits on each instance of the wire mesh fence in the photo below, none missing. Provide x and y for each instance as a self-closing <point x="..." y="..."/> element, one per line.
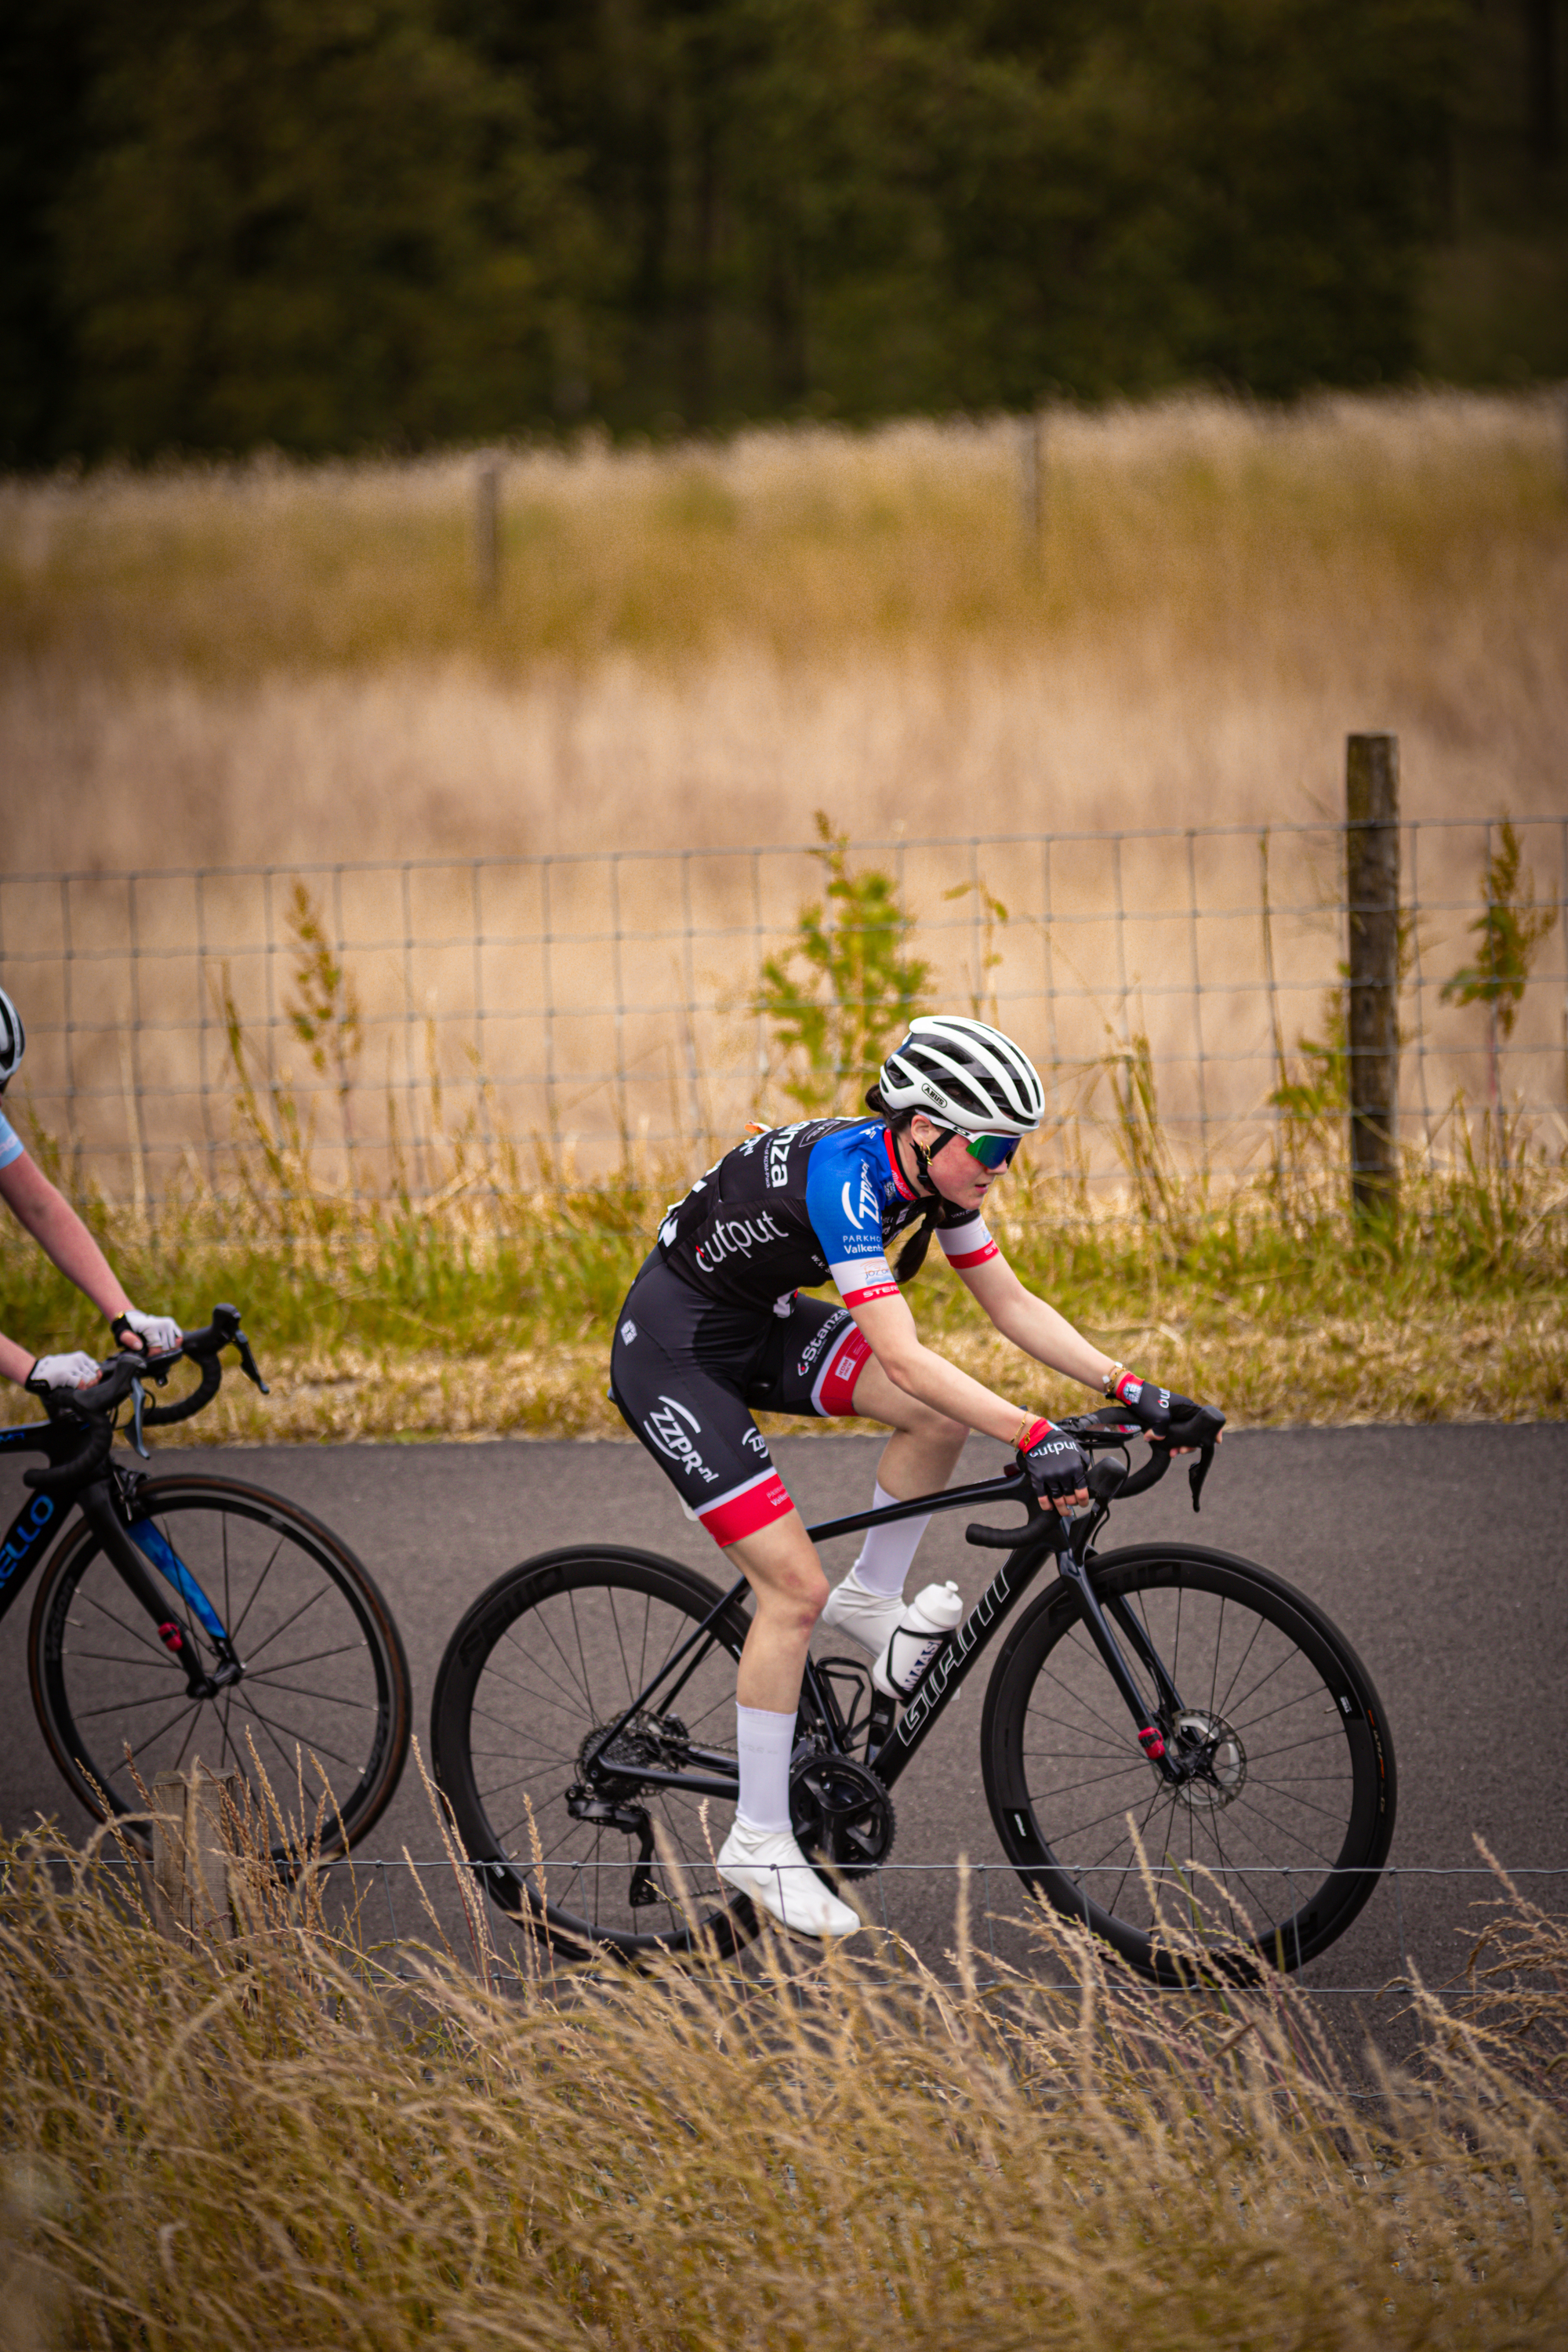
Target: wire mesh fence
<point x="1421" y="1923"/>
<point x="589" y="1006"/>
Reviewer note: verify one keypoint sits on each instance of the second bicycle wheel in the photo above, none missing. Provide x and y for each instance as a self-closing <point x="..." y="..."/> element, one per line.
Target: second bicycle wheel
<point x="543" y="1665"/>
<point x="324" y="1702"/>
<point x="1272" y="1844"/>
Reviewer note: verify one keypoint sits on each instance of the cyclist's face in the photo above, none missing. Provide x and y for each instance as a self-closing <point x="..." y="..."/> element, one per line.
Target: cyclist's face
<point x="958" y="1176"/>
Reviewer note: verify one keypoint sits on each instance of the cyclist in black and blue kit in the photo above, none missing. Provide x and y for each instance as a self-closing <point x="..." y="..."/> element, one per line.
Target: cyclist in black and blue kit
<point x="716" y="1325"/>
<point x="54" y="1224"/>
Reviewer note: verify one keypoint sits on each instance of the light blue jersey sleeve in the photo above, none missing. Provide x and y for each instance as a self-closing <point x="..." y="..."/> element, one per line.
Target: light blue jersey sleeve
<point x="10" y="1143"/>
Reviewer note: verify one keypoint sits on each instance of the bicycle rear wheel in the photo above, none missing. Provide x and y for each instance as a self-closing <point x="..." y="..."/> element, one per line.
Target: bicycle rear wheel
<point x="1271" y="1848"/>
<point x="551" y="1654"/>
<point x="324" y="1706"/>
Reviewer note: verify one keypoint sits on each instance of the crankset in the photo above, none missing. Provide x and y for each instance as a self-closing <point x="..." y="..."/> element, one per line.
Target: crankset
<point x="840" y="1813"/>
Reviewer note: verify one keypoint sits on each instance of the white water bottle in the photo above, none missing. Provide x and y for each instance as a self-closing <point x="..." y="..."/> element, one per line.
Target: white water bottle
<point x="926" y="1622"/>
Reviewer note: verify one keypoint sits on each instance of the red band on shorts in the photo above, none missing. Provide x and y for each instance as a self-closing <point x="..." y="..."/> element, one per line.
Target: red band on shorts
<point x="833" y="1390"/>
<point x="744" y="1509"/>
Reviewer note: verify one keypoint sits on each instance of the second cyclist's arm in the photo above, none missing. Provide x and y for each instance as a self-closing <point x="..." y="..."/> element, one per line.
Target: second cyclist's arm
<point x="54" y="1224"/>
<point x="1033" y="1326"/>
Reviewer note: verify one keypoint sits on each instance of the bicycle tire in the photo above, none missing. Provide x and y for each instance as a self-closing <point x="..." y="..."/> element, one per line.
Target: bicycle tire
<point x="1064" y="1811"/>
<point x="554" y="1651"/>
<point x="267" y="1567"/>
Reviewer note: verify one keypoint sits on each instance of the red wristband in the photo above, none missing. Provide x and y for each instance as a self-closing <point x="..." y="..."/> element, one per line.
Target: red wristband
<point x="1033" y="1435"/>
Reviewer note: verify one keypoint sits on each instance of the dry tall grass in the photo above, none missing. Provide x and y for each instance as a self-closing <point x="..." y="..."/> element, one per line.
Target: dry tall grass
<point x="271" y="2142"/>
<point x="702" y="644"/>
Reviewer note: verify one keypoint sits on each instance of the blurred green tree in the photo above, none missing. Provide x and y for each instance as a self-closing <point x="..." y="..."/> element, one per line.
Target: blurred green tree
<point x="319" y="223"/>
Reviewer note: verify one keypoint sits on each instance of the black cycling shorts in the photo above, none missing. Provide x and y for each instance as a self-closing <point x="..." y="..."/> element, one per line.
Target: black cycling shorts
<point x="687" y="1372"/>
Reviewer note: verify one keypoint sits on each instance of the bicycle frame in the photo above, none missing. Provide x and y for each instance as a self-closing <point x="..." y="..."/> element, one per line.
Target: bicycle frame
<point x="128" y="1542"/>
<point x="896" y="1736"/>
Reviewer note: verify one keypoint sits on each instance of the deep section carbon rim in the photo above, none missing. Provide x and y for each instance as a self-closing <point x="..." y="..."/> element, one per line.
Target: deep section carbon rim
<point x="324" y="1703"/>
<point x="545" y="1660"/>
<point x="1273" y="1844"/>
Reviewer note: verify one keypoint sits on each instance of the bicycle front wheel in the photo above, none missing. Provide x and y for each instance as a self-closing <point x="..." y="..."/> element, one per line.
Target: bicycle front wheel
<point x="322" y="1711"/>
<point x="542" y="1665"/>
<point x="1271" y="1844"/>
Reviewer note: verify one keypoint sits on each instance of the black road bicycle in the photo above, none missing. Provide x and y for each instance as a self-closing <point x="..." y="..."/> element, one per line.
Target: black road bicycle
<point x="1164" y="1699"/>
<point x="188" y="1615"/>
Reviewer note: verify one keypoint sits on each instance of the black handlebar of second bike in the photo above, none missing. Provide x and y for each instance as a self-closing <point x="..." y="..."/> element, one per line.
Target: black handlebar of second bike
<point x="122" y="1374"/>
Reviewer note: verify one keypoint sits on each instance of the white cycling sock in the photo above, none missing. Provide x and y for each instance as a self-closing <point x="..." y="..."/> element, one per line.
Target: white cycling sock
<point x="886" y="1554"/>
<point x="763" y="1742"/>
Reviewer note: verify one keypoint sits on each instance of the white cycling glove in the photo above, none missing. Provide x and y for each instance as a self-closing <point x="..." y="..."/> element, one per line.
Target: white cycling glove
<point x="158" y="1333"/>
<point x="78" y="1371"/>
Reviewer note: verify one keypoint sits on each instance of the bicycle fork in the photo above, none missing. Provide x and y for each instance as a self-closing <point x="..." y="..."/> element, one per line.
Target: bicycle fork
<point x="128" y="1540"/>
<point x="1151" y="1738"/>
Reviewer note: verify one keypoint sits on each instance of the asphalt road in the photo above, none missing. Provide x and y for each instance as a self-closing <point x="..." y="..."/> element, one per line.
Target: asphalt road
<point x="1441" y="1552"/>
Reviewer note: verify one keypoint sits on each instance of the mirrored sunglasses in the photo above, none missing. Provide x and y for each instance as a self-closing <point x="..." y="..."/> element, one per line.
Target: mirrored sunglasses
<point x="993" y="1150"/>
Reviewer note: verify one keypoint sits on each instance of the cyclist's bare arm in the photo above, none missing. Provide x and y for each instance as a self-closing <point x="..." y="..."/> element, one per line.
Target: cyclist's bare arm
<point x="54" y="1224"/>
<point x="1037" y="1328"/>
<point x="889" y="1331"/>
<point x="1033" y="1326"/>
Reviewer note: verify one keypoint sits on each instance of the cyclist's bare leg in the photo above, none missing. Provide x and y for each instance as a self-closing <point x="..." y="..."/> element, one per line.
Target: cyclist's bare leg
<point x="923" y="1451"/>
<point x="782" y="1568"/>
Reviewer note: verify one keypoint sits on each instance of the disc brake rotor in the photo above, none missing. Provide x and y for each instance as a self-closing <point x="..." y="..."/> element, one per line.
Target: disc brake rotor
<point x="1221" y="1773"/>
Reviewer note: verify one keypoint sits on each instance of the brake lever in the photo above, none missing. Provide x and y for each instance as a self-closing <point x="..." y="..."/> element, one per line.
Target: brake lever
<point x="248" y="1363"/>
<point x="1198" y="1472"/>
<point x="137" y="1440"/>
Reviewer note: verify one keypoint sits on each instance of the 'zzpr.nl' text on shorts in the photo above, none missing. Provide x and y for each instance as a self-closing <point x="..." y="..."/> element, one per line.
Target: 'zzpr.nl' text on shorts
<point x="687" y="1373"/>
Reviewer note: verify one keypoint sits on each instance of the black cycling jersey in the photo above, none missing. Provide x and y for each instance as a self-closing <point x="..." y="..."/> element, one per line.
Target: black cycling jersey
<point x="713" y="1328"/>
<point x="790" y="1208"/>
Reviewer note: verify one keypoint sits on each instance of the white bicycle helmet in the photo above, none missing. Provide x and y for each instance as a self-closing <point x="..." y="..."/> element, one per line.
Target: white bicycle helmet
<point x="13" y="1039"/>
<point x="965" y="1075"/>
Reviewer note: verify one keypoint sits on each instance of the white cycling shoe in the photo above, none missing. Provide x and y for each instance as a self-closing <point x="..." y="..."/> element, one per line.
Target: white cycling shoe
<point x="769" y="1866"/>
<point x="871" y="1619"/>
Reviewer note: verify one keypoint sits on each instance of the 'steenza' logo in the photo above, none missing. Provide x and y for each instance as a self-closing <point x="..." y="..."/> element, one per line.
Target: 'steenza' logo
<point x="665" y="1430"/>
<point x="831" y="1330"/>
<point x="35" y="1519"/>
<point x="738" y="1236"/>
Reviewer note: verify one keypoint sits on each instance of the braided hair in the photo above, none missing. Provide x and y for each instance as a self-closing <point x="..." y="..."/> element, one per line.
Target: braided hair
<point x="912" y="1255"/>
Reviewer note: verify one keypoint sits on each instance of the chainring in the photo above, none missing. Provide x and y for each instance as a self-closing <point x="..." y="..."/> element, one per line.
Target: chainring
<point x="841" y="1814"/>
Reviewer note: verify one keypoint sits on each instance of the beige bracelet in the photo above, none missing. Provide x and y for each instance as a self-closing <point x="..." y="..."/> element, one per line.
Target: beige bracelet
<point x="1024" y="1428"/>
<point x="1107" y="1385"/>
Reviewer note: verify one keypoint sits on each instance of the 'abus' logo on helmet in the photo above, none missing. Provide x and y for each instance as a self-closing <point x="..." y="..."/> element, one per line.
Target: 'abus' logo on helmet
<point x="927" y="1089"/>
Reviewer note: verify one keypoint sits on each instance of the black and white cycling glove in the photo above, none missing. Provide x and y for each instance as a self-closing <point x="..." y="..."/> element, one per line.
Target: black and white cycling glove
<point x="1057" y="1464"/>
<point x="157" y="1334"/>
<point x="73" y="1371"/>
<point x="1162" y="1411"/>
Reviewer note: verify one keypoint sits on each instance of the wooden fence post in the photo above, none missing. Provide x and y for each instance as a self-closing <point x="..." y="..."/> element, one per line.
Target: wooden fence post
<point x="487" y="528"/>
<point x="1032" y="482"/>
<point x="1372" y="1025"/>
<point x="193" y="1855"/>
